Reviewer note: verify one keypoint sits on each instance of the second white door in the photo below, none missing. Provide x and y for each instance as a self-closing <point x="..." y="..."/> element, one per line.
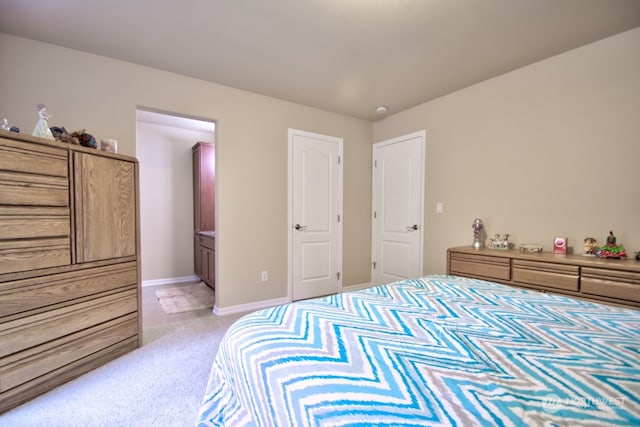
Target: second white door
<point x="398" y="200"/>
<point x="315" y="188"/>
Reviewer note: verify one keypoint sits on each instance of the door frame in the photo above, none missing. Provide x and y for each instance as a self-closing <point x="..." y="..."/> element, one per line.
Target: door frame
<point x="290" y="134"/>
<point x="375" y="191"/>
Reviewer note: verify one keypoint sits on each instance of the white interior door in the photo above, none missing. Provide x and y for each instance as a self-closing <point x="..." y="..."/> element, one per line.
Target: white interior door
<point x="398" y="208"/>
<point x="315" y="192"/>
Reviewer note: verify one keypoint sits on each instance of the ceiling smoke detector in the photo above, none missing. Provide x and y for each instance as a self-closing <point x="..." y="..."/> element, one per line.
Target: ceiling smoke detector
<point x="382" y="109"/>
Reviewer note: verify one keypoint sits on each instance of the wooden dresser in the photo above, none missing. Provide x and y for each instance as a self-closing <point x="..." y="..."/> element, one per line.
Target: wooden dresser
<point x="611" y="280"/>
<point x="69" y="265"/>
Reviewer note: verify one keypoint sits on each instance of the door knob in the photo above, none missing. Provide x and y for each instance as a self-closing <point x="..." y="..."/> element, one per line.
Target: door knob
<point x="300" y="227"/>
<point x="413" y="227"/>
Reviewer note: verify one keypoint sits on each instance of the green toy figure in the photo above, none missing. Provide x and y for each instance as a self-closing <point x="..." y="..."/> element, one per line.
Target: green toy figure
<point x="611" y="249"/>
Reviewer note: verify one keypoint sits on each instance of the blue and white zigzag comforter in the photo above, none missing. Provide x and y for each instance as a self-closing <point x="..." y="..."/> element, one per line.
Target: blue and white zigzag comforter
<point x="439" y="350"/>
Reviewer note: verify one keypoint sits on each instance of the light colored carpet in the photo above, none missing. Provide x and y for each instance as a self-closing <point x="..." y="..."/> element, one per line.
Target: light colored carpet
<point x="179" y="299"/>
<point x="161" y="384"/>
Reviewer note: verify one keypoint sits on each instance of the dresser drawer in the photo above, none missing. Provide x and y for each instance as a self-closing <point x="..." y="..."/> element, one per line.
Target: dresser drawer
<point x="31" y="254"/>
<point x="623" y="285"/>
<point x="38" y="361"/>
<point x="30" y="223"/>
<point x="34" y="237"/>
<point x="489" y="267"/>
<point x="30" y="296"/>
<point x="33" y="190"/>
<point x="24" y="333"/>
<point x="28" y="158"/>
<point x="549" y="275"/>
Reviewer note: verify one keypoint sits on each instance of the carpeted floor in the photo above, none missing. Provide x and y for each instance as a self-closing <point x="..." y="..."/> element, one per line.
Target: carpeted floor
<point x="159" y="384"/>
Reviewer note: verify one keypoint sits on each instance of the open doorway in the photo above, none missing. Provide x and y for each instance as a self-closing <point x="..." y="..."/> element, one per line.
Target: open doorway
<point x="164" y="144"/>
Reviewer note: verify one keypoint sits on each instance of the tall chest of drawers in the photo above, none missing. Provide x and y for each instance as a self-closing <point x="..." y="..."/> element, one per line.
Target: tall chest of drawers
<point x="69" y="263"/>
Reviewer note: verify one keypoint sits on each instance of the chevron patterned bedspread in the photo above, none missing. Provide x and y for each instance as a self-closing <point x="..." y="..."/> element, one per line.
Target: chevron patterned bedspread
<point x="439" y="350"/>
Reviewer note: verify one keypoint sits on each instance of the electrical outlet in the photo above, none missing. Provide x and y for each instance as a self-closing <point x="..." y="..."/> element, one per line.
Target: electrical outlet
<point x="439" y="207"/>
<point x="265" y="276"/>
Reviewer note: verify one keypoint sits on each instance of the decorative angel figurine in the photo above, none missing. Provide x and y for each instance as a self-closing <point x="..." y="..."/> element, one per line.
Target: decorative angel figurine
<point x="4" y="123"/>
<point x="42" y="127"/>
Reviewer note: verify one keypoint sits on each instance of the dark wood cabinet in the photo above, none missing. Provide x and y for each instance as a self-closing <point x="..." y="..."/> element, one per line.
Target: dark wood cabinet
<point x="204" y="185"/>
<point x="204" y="211"/>
<point x="611" y="280"/>
<point x="206" y="253"/>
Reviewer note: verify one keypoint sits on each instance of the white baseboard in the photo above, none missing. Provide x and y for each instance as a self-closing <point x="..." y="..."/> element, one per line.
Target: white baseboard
<point x="258" y="305"/>
<point x="170" y="281"/>
<point x="253" y="306"/>
<point x="356" y="287"/>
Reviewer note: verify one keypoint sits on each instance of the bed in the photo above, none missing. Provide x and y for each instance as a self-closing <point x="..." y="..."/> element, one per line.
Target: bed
<point x="437" y="350"/>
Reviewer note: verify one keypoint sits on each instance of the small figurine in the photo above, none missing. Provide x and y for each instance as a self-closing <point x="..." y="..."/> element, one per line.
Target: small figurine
<point x="500" y="242"/>
<point x="590" y="246"/>
<point x="477" y="226"/>
<point x="85" y="139"/>
<point x="4" y="124"/>
<point x="61" y="134"/>
<point x="612" y="249"/>
<point x="42" y="127"/>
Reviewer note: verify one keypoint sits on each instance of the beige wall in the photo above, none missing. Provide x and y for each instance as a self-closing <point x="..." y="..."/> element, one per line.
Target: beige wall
<point x="552" y="149"/>
<point x="549" y="150"/>
<point x="101" y="95"/>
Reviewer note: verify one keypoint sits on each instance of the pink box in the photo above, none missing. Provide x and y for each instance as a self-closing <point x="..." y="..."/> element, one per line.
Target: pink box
<point x="109" y="145"/>
<point x="559" y="245"/>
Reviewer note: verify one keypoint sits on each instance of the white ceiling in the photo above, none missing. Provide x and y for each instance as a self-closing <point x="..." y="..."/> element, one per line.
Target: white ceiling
<point x="345" y="56"/>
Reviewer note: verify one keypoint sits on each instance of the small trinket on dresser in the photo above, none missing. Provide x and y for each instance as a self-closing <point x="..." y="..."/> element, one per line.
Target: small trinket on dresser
<point x="109" y="145"/>
<point x="560" y="245"/>
<point x="527" y="247"/>
<point x="42" y="127"/>
<point x="612" y="249"/>
<point x="590" y="246"/>
<point x="500" y="242"/>
<point x="478" y="238"/>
